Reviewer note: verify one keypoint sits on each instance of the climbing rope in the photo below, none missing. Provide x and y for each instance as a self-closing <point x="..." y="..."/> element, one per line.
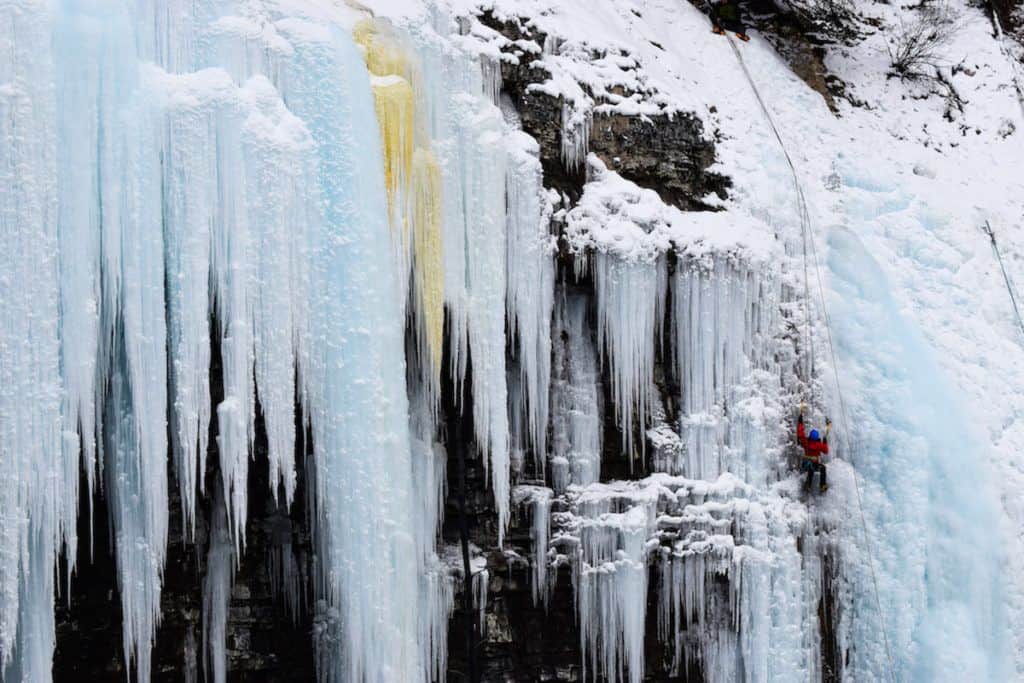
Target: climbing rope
<point x="805" y="221"/>
<point x="801" y="207"/>
<point x="1006" y="277"/>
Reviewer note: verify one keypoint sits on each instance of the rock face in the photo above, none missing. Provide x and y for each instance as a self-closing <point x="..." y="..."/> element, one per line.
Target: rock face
<point x="668" y="153"/>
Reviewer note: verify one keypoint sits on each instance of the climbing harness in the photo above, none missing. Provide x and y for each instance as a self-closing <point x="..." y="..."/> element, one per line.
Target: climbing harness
<point x="1006" y="277"/>
<point x="805" y="230"/>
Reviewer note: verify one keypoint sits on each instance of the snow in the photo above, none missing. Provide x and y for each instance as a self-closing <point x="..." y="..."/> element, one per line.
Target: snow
<point x="616" y="216"/>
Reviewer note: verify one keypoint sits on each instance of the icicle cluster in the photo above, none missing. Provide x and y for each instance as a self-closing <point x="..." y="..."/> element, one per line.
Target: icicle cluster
<point x="724" y="319"/>
<point x="630" y="320"/>
<point x="531" y="288"/>
<point x="178" y="185"/>
<point x="732" y="590"/>
<point x="538" y="499"/>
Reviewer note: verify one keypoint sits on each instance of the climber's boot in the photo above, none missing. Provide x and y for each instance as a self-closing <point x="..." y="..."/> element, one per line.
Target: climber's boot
<point x="717" y="30"/>
<point x="744" y="37"/>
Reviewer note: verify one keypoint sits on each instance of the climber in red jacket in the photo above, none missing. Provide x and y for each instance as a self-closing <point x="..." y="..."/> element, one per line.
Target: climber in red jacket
<point x="814" y="446"/>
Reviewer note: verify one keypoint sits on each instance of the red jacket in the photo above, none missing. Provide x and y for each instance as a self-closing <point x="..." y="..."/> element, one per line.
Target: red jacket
<point x="812" y="449"/>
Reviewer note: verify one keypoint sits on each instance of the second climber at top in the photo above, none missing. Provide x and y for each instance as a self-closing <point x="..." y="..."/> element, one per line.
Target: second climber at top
<point x="815" y="446"/>
<point x="726" y="16"/>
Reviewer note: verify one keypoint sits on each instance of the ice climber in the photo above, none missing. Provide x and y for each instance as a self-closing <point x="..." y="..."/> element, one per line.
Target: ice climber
<point x="725" y="16"/>
<point x="815" y="446"/>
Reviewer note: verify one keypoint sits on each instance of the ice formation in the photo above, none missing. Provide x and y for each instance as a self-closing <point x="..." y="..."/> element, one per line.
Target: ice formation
<point x="538" y="498"/>
<point x="315" y="203"/>
<point x="185" y="190"/>
<point x="630" y="321"/>
<point x="576" y="417"/>
<point x="725" y="315"/>
<point x="531" y="288"/>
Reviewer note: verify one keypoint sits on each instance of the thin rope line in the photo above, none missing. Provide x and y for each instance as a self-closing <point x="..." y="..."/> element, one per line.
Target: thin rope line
<point x="805" y="227"/>
<point x="1006" y="277"/>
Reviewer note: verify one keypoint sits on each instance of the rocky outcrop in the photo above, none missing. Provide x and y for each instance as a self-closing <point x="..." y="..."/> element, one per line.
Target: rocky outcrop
<point x="669" y="153"/>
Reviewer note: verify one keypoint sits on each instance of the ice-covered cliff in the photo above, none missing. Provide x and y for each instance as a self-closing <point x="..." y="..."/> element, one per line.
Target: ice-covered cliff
<point x="423" y="341"/>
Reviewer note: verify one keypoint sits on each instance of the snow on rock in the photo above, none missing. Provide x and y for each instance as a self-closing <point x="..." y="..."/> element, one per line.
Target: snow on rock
<point x="616" y="216"/>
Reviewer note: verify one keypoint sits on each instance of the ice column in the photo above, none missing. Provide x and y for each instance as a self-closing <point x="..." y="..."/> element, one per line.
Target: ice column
<point x="576" y="409"/>
<point x="352" y="377"/>
<point x="32" y="486"/>
<point x="531" y="286"/>
<point x="220" y="570"/>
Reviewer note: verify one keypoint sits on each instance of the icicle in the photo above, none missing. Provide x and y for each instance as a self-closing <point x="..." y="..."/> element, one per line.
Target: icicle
<point x="576" y="124"/>
<point x="481" y="581"/>
<point x="188" y="215"/>
<point x="288" y="582"/>
<point x="630" y="306"/>
<point x="428" y="259"/>
<point x="478" y="301"/>
<point x="277" y="146"/>
<point x="490" y="68"/>
<point x="135" y="413"/>
<point x="136" y="484"/>
<point x="220" y="569"/>
<point x="436" y="593"/>
<point x="437" y="603"/>
<point x="531" y="275"/>
<point x="611" y="590"/>
<point x="539" y="500"/>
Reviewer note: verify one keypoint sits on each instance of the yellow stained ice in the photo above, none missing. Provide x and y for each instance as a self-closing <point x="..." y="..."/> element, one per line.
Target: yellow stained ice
<point x="412" y="177"/>
<point x="396" y="115"/>
<point x="383" y="52"/>
<point x="427" y="248"/>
